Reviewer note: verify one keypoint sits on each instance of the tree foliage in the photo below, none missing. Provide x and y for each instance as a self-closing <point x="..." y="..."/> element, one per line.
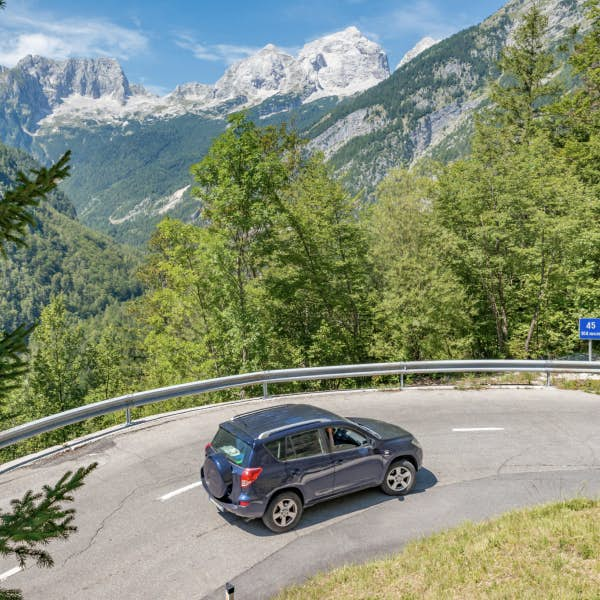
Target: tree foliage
<point x="525" y="87"/>
<point x="58" y="360"/>
<point x="37" y="519"/>
<point x="508" y="237"/>
<point x="422" y="309"/>
<point x="276" y="273"/>
<point x="16" y="205"/>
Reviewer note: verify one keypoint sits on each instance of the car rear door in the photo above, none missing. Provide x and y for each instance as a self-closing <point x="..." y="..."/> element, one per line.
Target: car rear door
<point x="355" y="462"/>
<point x="309" y="463"/>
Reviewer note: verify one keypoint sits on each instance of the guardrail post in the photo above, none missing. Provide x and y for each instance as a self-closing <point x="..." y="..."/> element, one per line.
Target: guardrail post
<point x="128" y="416"/>
<point x="401" y="381"/>
<point x="229" y="591"/>
<point x="547" y="378"/>
<point x="265" y="390"/>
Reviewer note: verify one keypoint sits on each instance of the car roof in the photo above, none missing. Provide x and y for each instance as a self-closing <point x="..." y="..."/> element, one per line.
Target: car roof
<point x="268" y="421"/>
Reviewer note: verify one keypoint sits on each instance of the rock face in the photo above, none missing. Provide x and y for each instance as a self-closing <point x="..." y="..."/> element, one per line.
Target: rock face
<point x="361" y="122"/>
<point x="419" y="47"/>
<point x="86" y="77"/>
<point x="37" y="86"/>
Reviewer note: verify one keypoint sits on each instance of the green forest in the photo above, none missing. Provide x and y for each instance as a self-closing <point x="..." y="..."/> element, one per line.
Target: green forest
<point x="495" y="255"/>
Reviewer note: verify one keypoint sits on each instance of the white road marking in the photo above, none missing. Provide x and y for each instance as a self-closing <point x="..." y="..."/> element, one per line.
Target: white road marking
<point x="187" y="488"/>
<point x="7" y="574"/>
<point x="461" y="429"/>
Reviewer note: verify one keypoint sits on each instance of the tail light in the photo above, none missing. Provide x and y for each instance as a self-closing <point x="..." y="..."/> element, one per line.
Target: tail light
<point x="249" y="476"/>
<point x="207" y="447"/>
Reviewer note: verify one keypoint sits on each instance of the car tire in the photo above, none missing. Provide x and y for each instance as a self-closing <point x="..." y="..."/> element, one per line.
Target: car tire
<point x="400" y="478"/>
<point x="284" y="512"/>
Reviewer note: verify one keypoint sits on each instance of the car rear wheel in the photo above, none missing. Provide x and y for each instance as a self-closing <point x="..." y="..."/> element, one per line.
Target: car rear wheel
<point x="400" y="478"/>
<point x="284" y="512"/>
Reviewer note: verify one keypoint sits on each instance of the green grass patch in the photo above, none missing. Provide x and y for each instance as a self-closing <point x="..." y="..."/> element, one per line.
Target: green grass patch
<point x="552" y="551"/>
<point x="585" y="385"/>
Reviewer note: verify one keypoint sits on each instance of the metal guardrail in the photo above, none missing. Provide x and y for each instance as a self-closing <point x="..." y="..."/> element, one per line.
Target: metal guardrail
<point x="129" y="401"/>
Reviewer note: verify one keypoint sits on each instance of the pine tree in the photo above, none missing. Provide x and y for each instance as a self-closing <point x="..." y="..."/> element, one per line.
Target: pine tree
<point x="58" y="360"/>
<point x="525" y="88"/>
<point x="37" y="519"/>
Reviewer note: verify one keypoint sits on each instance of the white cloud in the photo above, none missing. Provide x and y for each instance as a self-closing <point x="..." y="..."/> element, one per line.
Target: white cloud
<point x="422" y="17"/>
<point x="46" y="35"/>
<point x="227" y="53"/>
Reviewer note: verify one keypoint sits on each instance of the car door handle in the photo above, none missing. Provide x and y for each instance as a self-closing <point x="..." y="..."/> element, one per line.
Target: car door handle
<point x="294" y="472"/>
<point x="339" y="461"/>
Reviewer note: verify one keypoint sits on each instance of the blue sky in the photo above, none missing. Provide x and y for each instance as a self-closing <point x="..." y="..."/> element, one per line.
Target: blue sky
<point x="161" y="44"/>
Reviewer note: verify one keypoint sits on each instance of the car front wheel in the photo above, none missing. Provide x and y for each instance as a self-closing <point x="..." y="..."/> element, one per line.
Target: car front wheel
<point x="284" y="512"/>
<point x="400" y="478"/>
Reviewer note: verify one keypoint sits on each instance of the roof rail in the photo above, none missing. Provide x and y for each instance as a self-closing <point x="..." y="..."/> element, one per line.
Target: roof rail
<point x="253" y="412"/>
<point x="269" y="432"/>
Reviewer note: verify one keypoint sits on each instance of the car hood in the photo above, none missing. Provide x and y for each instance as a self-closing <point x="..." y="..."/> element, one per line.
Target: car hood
<point x="384" y="431"/>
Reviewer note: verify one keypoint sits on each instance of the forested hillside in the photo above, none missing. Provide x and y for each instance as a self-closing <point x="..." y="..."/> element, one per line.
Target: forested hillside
<point x="61" y="256"/>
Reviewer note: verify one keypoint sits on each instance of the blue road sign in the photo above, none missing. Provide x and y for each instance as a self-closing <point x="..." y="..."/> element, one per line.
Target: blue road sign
<point x="589" y="329"/>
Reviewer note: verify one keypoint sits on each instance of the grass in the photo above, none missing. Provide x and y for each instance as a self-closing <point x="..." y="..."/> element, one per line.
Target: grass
<point x="552" y="551"/>
<point x="585" y="385"/>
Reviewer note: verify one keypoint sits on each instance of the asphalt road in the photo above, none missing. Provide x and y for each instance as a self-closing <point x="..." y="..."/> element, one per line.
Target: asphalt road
<point x="145" y="533"/>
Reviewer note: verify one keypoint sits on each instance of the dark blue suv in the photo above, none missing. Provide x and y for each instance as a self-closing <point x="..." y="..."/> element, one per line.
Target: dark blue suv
<point x="273" y="462"/>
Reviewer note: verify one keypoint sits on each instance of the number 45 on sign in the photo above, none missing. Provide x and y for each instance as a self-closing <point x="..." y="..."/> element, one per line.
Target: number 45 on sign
<point x="589" y="329"/>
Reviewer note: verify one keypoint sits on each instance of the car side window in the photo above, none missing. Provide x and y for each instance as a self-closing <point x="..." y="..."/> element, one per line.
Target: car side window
<point x="344" y="438"/>
<point x="305" y="444"/>
<point x="277" y="448"/>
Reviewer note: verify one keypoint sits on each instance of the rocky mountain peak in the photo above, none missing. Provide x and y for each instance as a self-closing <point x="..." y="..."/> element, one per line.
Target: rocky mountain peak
<point x="343" y="63"/>
<point x="93" y="78"/>
<point x="337" y="64"/>
<point x="192" y="91"/>
<point x="258" y="76"/>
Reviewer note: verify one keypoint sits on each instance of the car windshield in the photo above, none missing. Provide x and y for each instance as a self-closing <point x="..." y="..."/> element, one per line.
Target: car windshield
<point x="235" y="449"/>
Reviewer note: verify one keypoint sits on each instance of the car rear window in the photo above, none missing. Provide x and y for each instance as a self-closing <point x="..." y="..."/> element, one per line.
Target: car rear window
<point x="235" y="449"/>
<point x="300" y="445"/>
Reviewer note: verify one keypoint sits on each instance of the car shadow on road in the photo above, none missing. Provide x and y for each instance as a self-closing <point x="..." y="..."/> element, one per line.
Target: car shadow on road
<point x="343" y="506"/>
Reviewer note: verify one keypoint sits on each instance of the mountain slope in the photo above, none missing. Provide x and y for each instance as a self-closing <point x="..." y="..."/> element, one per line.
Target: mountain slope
<point x="426" y="106"/>
<point x="62" y="256"/>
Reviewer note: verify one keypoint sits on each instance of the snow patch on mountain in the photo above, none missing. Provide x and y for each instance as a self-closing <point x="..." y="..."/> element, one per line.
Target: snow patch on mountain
<point x="151" y="208"/>
<point x="419" y="47"/>
<point x="173" y="200"/>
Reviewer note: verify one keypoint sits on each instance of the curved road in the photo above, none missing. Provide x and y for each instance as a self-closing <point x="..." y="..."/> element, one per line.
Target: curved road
<point x="146" y="532"/>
